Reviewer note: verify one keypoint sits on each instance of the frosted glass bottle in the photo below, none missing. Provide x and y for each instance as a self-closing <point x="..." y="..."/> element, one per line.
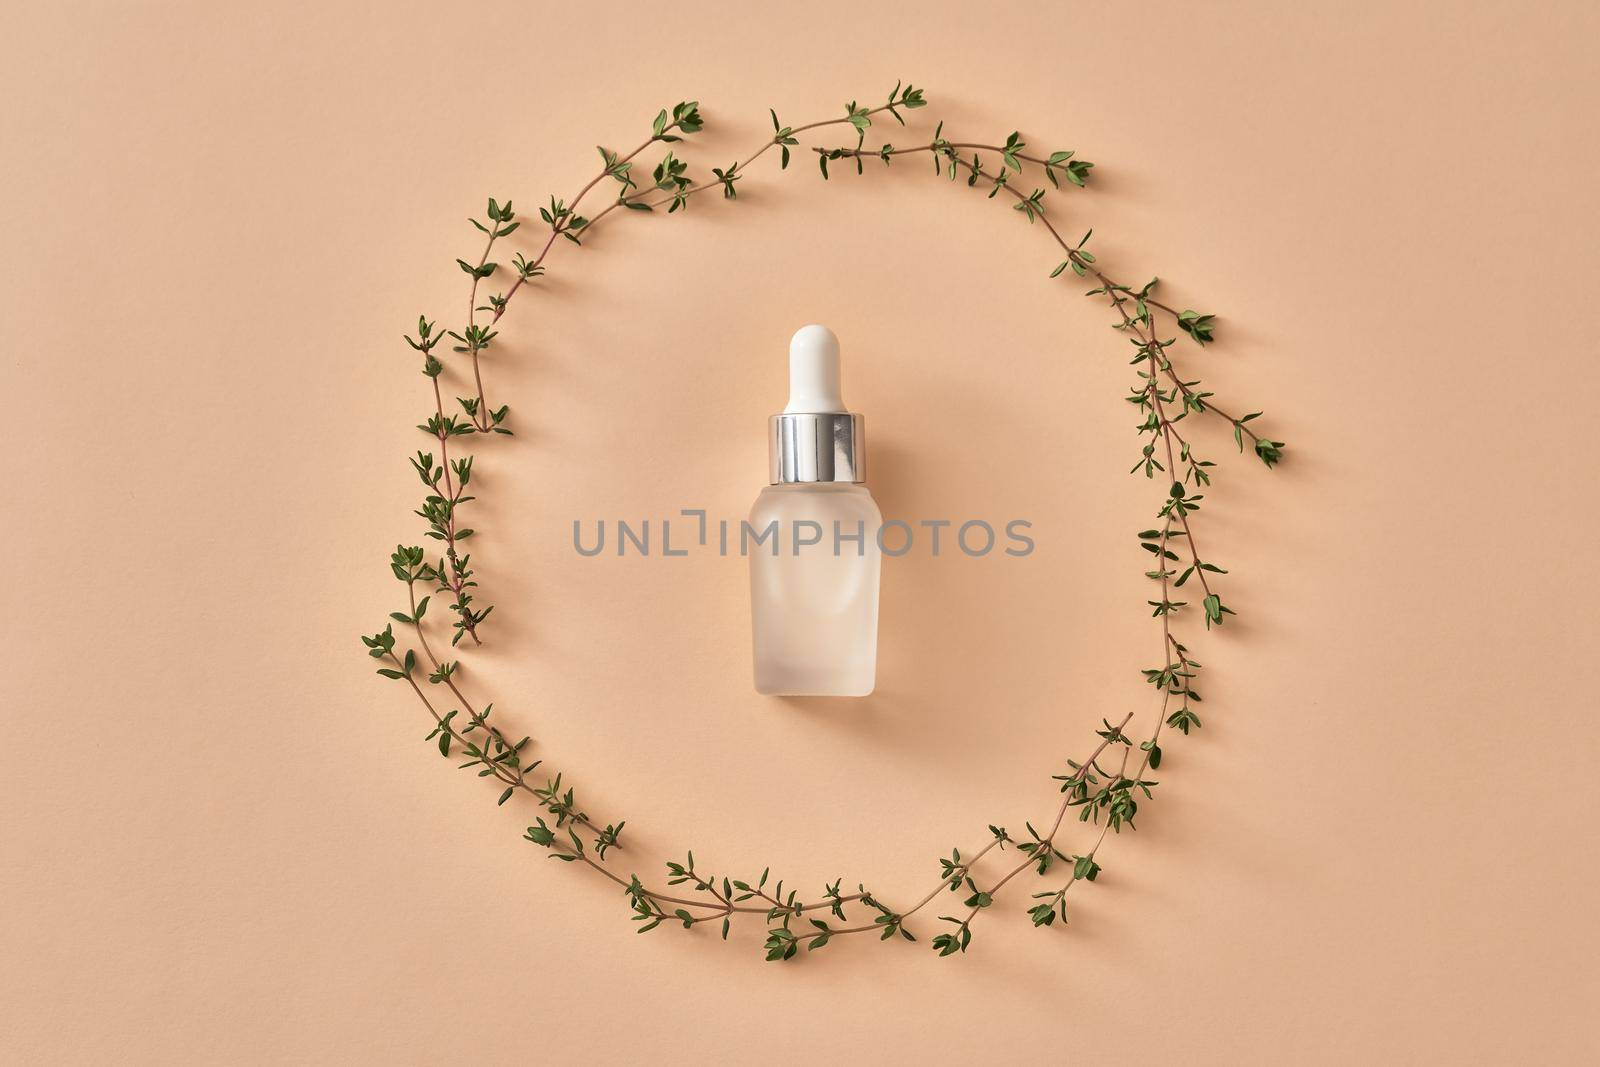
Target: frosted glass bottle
<point x="814" y="613"/>
<point x="814" y="572"/>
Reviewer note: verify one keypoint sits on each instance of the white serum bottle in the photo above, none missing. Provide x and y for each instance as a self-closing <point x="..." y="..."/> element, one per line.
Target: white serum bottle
<point x="814" y="581"/>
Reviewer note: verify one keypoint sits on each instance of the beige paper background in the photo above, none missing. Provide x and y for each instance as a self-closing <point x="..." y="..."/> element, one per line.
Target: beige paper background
<point x="225" y="841"/>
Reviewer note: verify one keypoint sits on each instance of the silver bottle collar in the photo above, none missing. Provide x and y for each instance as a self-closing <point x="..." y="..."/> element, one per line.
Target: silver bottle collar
<point x="816" y="447"/>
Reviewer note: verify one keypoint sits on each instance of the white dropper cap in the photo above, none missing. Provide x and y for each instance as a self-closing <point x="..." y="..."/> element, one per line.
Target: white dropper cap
<point x="816" y="439"/>
<point x="814" y="372"/>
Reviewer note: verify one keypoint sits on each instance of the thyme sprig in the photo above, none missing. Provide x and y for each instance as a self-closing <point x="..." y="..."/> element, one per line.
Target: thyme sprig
<point x="1107" y="799"/>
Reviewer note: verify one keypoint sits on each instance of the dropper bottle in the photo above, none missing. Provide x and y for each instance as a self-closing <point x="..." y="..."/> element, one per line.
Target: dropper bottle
<point x="812" y="539"/>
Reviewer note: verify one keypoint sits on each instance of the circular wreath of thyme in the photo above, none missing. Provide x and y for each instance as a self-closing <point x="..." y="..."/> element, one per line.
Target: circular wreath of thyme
<point x="1103" y="788"/>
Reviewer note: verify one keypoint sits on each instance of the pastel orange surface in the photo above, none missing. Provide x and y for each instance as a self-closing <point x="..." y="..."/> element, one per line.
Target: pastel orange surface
<point x="223" y="840"/>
